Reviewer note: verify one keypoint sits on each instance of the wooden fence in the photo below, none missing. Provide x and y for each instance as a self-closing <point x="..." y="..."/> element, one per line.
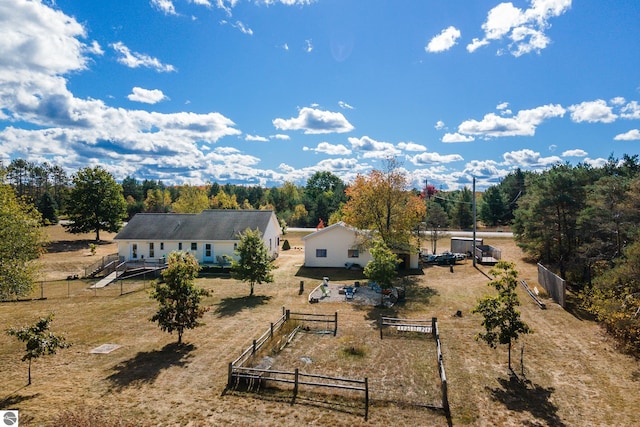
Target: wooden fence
<point x="423" y="326"/>
<point x="256" y="377"/>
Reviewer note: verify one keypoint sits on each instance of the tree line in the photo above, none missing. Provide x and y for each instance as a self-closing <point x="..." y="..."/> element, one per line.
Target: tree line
<point x="583" y="222"/>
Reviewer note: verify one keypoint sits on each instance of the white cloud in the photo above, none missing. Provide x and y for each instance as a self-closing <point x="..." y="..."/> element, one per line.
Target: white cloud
<point x="575" y="153"/>
<point x="439" y="125"/>
<point x="315" y="121"/>
<point x="631" y="111"/>
<point x="74" y="132"/>
<point x="476" y="44"/>
<point x="529" y="158"/>
<point x="344" y="105"/>
<point x="309" y="46"/>
<point x="502" y="106"/>
<point x="243" y="28"/>
<point x="147" y="96"/>
<point x="372" y="148"/>
<point x="632" y="135"/>
<point x="256" y="138"/>
<point x="411" y="146"/>
<point x="135" y="60"/>
<point x="434" y="158"/>
<point x="525" y="29"/>
<point x="592" y="112"/>
<point x="165" y="6"/>
<point x="522" y="124"/>
<point x="443" y="41"/>
<point x="281" y="136"/>
<point x="618" y="100"/>
<point x="332" y="149"/>
<point x="456" y="137"/>
<point x="596" y="163"/>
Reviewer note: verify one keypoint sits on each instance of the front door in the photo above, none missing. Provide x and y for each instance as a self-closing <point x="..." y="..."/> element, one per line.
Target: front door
<point x="208" y="252"/>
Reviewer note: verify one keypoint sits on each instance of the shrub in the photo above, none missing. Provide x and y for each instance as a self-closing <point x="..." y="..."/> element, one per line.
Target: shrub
<point x="286" y="246"/>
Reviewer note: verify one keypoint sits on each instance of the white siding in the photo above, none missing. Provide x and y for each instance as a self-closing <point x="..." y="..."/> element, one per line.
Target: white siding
<point x="336" y="240"/>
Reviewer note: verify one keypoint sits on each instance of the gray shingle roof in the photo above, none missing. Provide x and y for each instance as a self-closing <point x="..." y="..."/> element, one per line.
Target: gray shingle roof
<point x="208" y="225"/>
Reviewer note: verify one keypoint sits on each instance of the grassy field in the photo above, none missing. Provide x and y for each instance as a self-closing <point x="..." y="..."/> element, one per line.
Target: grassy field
<point x="573" y="374"/>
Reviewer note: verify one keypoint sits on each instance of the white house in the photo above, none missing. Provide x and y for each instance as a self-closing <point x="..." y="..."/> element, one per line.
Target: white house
<point x="209" y="235"/>
<point x="340" y="244"/>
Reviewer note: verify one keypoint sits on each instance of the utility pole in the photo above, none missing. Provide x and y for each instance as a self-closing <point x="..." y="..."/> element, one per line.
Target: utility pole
<point x="475" y="222"/>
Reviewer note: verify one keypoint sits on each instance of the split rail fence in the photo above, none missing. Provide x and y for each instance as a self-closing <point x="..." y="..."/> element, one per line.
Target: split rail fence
<point x="239" y="373"/>
<point x="423" y="326"/>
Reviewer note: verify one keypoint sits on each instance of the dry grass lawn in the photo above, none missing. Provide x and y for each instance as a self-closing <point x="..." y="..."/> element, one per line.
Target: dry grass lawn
<point x="573" y="375"/>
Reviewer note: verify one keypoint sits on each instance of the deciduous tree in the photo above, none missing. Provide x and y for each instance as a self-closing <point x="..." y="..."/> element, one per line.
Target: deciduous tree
<point x="254" y="264"/>
<point x="39" y="340"/>
<point x="381" y="202"/>
<point x="178" y="297"/>
<point x="95" y="203"/>
<point x="383" y="265"/>
<point x="191" y="200"/>
<point x="21" y="243"/>
<point x="501" y="319"/>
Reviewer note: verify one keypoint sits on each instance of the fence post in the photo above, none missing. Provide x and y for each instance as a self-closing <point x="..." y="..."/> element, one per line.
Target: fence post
<point x="295" y="386"/>
<point x="434" y="327"/>
<point x="287" y="314"/>
<point x="271" y="331"/>
<point x="301" y="287"/>
<point x="380" y="325"/>
<point x="230" y="375"/>
<point x="335" y="328"/>
<point x="366" y="398"/>
<point x="254" y="347"/>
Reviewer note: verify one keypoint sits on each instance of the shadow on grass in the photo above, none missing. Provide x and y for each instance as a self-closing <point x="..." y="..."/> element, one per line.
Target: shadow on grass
<point x="232" y="306"/>
<point x="13" y="400"/>
<point x="146" y="366"/>
<point x="572" y="306"/>
<point x="523" y="396"/>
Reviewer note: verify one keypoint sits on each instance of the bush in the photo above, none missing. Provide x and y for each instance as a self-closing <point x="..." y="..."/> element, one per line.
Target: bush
<point x="286" y="246"/>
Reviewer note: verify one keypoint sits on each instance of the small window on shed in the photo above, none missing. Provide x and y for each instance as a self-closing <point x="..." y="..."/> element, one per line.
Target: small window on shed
<point x="179" y="246"/>
<point x="321" y="253"/>
<point x="194" y="246"/>
<point x="353" y="253"/>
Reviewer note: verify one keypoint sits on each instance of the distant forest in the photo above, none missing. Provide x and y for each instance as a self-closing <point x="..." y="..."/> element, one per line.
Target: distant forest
<point x="581" y="221"/>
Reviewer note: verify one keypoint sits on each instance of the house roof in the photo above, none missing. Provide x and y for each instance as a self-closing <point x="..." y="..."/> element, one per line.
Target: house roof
<point x="208" y="225"/>
<point x="339" y="224"/>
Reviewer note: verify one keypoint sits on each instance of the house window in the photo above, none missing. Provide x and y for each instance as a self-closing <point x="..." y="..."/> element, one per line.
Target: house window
<point x="207" y="250"/>
<point x="162" y="246"/>
<point x="179" y="246"/>
<point x="152" y="252"/>
<point x="321" y="253"/>
<point x="353" y="253"/>
<point x="134" y="251"/>
<point x="235" y="246"/>
<point x="194" y="246"/>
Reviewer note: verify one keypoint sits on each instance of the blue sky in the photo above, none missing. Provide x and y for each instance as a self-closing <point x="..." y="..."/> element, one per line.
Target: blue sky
<point x="261" y="92"/>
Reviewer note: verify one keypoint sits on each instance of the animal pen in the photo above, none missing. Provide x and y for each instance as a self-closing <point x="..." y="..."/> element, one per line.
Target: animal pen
<point x="245" y="373"/>
<point x="422" y="327"/>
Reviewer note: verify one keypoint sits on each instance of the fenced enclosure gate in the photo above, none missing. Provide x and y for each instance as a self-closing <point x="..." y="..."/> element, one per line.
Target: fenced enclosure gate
<point x="281" y="333"/>
<point x="427" y="327"/>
